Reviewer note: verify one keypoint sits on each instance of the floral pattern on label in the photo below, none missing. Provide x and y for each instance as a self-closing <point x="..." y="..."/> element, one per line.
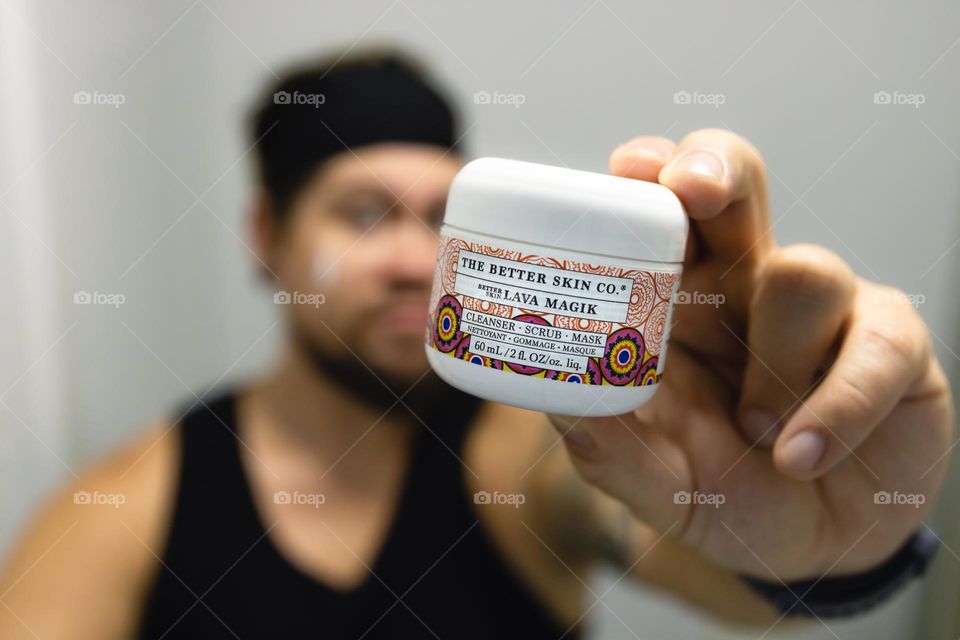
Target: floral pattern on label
<point x="535" y="315"/>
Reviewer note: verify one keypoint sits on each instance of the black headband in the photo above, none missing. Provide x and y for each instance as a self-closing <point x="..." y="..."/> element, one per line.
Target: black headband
<point x="314" y="114"/>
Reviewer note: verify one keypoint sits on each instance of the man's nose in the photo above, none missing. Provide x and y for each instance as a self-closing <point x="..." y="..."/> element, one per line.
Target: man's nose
<point x="414" y="251"/>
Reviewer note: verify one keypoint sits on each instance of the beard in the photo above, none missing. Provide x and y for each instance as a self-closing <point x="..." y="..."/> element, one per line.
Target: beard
<point x="425" y="400"/>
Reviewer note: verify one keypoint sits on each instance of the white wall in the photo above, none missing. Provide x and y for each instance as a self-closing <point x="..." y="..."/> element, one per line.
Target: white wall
<point x="104" y="199"/>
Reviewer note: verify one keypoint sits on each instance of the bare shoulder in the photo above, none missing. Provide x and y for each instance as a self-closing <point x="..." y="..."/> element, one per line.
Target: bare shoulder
<point x="506" y="444"/>
<point x="516" y="451"/>
<point x="516" y="467"/>
<point x="92" y="550"/>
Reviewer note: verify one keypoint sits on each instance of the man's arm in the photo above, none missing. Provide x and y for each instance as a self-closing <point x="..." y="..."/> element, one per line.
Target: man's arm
<point x="82" y="568"/>
<point x="589" y="528"/>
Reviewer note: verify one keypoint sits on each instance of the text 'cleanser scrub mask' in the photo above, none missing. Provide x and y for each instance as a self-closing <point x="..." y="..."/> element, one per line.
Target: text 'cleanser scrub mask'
<point x="554" y="287"/>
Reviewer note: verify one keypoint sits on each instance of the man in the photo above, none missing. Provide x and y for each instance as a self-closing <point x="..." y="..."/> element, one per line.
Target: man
<point x="349" y="493"/>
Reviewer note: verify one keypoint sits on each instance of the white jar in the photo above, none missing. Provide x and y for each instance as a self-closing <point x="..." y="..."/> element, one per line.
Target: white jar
<point x="554" y="287"/>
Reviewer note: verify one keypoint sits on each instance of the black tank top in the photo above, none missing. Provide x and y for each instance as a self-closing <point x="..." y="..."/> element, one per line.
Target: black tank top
<point x="437" y="575"/>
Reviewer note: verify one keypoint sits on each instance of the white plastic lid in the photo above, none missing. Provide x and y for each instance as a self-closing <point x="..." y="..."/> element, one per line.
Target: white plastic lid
<point x="568" y="209"/>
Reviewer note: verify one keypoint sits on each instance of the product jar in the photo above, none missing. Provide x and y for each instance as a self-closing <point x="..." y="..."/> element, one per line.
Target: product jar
<point x="554" y="287"/>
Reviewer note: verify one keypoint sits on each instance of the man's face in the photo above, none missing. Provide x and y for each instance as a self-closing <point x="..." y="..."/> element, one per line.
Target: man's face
<point x="363" y="233"/>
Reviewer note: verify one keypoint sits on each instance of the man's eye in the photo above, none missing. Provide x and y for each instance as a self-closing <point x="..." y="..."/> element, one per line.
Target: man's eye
<point x="368" y="216"/>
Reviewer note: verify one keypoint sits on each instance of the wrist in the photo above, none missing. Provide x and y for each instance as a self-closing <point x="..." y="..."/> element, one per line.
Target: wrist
<point x="848" y="595"/>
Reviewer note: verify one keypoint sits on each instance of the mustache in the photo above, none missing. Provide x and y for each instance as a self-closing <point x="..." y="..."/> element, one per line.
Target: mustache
<point x="428" y="398"/>
<point x="393" y="298"/>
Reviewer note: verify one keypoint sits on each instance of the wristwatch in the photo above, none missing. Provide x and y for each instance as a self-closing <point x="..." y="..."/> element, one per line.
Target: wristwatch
<point x="852" y="594"/>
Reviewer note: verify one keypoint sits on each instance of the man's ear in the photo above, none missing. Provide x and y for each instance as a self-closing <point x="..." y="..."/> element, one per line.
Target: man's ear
<point x="264" y="233"/>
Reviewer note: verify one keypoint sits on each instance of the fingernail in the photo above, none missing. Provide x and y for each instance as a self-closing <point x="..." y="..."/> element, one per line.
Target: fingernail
<point x="646" y="148"/>
<point x="571" y="434"/>
<point x="803" y="451"/>
<point x="760" y="426"/>
<point x="701" y="162"/>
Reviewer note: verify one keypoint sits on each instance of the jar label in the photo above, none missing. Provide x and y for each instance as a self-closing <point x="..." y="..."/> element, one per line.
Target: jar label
<point x="547" y="317"/>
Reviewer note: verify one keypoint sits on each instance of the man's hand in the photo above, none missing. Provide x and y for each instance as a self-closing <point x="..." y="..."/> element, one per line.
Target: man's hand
<point x="803" y="424"/>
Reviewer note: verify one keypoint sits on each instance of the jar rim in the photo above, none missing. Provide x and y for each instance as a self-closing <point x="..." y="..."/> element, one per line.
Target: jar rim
<point x="568" y="209"/>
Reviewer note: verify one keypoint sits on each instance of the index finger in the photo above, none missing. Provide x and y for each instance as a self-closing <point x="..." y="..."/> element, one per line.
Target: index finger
<point x="719" y="177"/>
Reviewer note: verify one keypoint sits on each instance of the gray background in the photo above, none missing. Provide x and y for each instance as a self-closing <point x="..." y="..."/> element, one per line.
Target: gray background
<point x="149" y="199"/>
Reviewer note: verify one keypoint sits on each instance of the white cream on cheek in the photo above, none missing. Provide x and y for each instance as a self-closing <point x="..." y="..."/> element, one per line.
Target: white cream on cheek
<point x="325" y="269"/>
